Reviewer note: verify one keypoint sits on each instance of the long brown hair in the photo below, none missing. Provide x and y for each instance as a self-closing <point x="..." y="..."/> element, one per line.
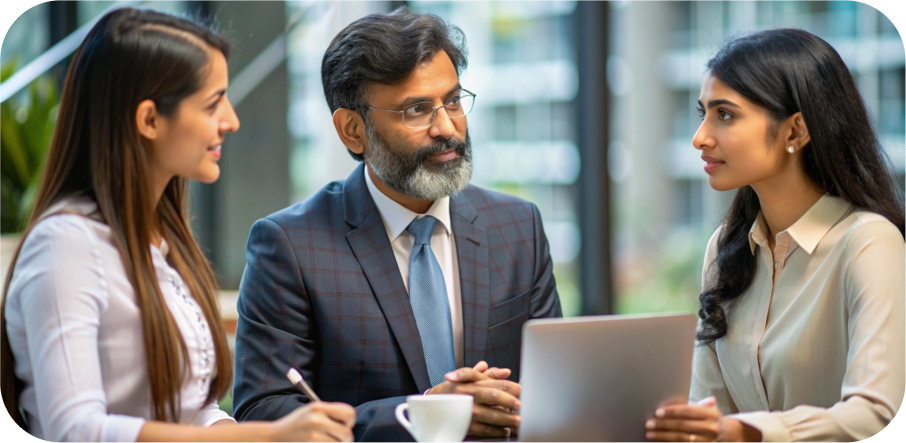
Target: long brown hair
<point x="129" y="56"/>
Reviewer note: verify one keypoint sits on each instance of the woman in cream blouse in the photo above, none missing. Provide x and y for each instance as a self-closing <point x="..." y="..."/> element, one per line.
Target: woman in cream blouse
<point x="110" y="328"/>
<point x="802" y="308"/>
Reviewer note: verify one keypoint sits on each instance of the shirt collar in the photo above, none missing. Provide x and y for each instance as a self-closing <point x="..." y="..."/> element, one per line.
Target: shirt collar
<point x="396" y="217"/>
<point x="808" y="231"/>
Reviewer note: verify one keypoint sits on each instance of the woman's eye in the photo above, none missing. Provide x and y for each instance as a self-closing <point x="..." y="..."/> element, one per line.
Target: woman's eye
<point x="723" y="115"/>
<point x="701" y="113"/>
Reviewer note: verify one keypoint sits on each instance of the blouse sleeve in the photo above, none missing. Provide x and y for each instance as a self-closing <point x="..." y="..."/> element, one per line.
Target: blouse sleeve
<point x="61" y="296"/>
<point x="707" y="379"/>
<point x="873" y="385"/>
<point x="210" y="414"/>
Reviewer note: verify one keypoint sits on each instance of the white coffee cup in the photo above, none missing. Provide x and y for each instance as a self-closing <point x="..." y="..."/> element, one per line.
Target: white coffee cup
<point x="441" y="417"/>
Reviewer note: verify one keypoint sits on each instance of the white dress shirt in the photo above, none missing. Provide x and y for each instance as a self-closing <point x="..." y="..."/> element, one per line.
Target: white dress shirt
<point x="396" y="219"/>
<point x="814" y="349"/>
<point x="76" y="334"/>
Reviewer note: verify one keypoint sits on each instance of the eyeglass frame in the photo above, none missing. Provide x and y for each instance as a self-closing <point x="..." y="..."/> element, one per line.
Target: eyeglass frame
<point x="433" y="110"/>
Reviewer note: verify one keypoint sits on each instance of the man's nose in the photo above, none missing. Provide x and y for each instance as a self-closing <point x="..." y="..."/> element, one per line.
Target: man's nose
<point x="442" y="126"/>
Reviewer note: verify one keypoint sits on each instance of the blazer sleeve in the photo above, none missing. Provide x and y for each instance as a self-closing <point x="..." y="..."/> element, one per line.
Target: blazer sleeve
<point x="545" y="300"/>
<point x="275" y="329"/>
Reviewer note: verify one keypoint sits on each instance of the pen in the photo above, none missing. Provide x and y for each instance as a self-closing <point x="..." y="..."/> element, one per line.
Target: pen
<point x="296" y="379"/>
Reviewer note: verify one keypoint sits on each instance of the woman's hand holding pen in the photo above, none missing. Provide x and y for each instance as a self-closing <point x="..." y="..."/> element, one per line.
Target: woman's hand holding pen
<point x="316" y="421"/>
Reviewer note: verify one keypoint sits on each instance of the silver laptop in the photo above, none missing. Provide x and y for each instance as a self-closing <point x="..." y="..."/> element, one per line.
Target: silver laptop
<point x="599" y="378"/>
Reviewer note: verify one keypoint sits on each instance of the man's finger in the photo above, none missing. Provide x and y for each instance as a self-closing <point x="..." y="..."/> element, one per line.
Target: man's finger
<point x="482" y="430"/>
<point x="490" y="396"/>
<point x="507" y="386"/>
<point x="494" y="416"/>
<point x="465" y="375"/>
<point x="498" y="373"/>
<point x="481" y="366"/>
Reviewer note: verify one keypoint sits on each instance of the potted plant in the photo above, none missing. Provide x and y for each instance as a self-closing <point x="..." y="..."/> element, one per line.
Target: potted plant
<point x="26" y="128"/>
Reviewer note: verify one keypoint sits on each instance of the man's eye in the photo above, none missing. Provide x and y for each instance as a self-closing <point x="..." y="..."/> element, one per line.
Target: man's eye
<point x="417" y="109"/>
<point x="453" y="102"/>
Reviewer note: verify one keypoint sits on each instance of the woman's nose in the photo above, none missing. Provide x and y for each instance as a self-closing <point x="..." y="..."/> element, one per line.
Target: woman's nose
<point x="702" y="139"/>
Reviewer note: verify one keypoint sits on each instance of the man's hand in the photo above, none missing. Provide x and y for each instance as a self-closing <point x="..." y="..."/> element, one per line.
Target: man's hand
<point x="495" y="398"/>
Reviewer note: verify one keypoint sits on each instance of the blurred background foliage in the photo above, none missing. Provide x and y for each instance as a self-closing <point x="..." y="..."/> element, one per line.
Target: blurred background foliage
<point x="26" y="128"/>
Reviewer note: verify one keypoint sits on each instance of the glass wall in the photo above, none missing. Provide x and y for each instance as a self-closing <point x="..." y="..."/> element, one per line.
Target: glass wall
<point x="663" y="210"/>
<point x="522" y="66"/>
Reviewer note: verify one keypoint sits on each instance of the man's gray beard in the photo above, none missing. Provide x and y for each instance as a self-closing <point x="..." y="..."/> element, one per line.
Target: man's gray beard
<point x="416" y="175"/>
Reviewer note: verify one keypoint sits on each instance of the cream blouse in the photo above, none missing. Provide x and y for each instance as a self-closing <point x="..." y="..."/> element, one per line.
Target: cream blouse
<point x="815" y="346"/>
<point x="76" y="332"/>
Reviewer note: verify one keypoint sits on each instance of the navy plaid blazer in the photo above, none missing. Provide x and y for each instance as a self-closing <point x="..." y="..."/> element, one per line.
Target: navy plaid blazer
<point x="322" y="292"/>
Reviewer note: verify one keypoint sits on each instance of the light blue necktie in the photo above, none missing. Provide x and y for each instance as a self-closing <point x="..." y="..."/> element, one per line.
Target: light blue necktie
<point x="428" y="295"/>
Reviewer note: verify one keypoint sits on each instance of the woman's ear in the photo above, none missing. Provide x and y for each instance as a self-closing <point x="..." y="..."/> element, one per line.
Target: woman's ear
<point x="147" y="120"/>
<point x="798" y="136"/>
<point x="351" y="129"/>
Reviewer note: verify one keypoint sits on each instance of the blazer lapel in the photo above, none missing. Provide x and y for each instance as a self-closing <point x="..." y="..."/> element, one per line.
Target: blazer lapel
<point x="474" y="265"/>
<point x="372" y="249"/>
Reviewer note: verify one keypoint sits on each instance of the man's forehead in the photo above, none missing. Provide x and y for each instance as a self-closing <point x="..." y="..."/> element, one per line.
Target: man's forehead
<point x="432" y="77"/>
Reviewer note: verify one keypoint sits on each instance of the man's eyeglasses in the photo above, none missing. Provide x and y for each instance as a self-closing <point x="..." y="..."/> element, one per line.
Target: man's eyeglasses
<point x="421" y="115"/>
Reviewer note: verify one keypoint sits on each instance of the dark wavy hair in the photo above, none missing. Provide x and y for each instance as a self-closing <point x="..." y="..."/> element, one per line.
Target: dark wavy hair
<point x="786" y="71"/>
<point x="384" y="49"/>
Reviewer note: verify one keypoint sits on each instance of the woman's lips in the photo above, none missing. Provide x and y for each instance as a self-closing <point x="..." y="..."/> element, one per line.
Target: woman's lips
<point x="712" y="163"/>
<point x="215" y="151"/>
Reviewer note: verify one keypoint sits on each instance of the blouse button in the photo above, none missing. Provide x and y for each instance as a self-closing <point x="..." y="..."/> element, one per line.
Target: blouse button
<point x="777" y="265"/>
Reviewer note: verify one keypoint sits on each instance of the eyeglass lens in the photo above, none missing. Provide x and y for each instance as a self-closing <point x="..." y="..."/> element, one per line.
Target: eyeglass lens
<point x="420" y="115"/>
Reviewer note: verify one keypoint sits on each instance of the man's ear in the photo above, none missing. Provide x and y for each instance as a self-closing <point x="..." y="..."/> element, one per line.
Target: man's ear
<point x="798" y="136"/>
<point x="147" y="120"/>
<point x="351" y="129"/>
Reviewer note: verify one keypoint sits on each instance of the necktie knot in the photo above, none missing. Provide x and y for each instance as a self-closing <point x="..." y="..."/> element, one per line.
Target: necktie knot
<point x="422" y="229"/>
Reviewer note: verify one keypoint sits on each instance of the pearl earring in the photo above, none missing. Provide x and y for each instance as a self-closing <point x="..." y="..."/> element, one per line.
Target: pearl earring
<point x="791" y="149"/>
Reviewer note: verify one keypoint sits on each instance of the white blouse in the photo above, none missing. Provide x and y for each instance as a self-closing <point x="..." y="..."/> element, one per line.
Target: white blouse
<point x="814" y="349"/>
<point x="75" y="331"/>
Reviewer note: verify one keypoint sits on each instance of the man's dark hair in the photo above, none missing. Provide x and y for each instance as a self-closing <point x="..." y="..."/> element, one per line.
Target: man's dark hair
<point x="384" y="49"/>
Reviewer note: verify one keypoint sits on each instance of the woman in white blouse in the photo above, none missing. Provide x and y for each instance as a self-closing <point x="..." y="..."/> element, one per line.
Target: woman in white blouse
<point x="802" y="310"/>
<point x="111" y="329"/>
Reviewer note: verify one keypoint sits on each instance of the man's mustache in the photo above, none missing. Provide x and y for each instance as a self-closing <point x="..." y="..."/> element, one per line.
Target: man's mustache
<point x="460" y="146"/>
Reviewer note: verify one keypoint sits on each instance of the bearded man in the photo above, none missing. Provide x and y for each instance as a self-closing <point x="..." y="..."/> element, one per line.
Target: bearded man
<point x="403" y="279"/>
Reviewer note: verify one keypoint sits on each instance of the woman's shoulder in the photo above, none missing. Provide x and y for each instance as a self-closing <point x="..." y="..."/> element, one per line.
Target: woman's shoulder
<point x="60" y="230"/>
<point x="711" y="249"/>
<point x="61" y="235"/>
<point x="862" y="227"/>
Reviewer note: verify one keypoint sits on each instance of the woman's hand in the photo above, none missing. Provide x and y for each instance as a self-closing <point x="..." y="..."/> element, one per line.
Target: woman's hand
<point x="700" y="421"/>
<point x="316" y="421"/>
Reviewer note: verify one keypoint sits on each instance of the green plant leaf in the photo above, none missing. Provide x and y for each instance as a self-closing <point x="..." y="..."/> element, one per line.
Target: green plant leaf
<point x="24" y="145"/>
<point x="13" y="145"/>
